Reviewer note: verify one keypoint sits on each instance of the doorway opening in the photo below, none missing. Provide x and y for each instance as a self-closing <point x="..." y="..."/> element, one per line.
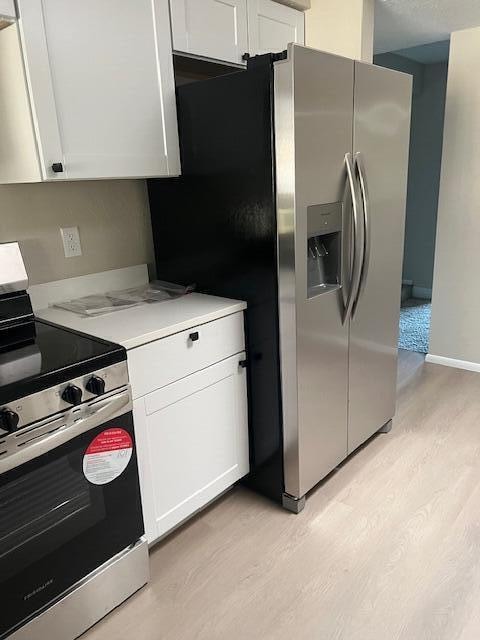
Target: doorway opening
<point x="428" y="64"/>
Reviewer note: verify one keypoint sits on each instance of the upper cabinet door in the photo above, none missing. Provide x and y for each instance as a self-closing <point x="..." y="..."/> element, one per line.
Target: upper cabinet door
<point x="7" y="9"/>
<point x="210" y="28"/>
<point x="101" y="86"/>
<point x="18" y="146"/>
<point x="272" y="26"/>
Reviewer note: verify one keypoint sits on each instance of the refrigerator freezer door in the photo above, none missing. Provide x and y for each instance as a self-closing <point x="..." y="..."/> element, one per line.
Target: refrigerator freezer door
<point x="381" y="137"/>
<point x="313" y="132"/>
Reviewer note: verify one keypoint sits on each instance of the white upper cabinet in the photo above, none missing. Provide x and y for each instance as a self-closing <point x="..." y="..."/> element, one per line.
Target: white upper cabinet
<point x="7" y="9"/>
<point x="99" y="79"/>
<point x="227" y="29"/>
<point x="210" y="28"/>
<point x="18" y="145"/>
<point x="271" y="26"/>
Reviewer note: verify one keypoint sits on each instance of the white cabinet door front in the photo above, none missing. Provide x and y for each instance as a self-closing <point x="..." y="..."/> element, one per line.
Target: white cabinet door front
<point x="101" y="83"/>
<point x="7" y="8"/>
<point x="210" y="28"/>
<point x="196" y="440"/>
<point x="273" y="26"/>
<point x="18" y="146"/>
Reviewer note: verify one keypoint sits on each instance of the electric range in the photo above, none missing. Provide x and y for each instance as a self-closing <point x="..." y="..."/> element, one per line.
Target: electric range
<point x="71" y="525"/>
<point x="54" y="369"/>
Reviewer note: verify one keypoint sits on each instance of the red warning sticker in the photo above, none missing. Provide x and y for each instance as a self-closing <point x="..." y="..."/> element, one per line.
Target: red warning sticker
<point x="107" y="456"/>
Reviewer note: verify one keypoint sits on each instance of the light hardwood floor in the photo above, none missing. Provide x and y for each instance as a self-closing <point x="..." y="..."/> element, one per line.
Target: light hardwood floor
<point x="388" y="548"/>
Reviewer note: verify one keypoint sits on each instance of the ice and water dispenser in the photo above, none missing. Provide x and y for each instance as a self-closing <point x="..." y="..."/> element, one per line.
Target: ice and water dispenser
<point x="324" y="248"/>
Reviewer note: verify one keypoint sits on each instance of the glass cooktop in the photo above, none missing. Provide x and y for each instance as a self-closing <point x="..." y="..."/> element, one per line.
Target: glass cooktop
<point x="54" y="356"/>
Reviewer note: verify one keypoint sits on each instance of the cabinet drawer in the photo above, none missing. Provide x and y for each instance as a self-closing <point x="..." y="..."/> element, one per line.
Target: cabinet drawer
<point x="162" y="362"/>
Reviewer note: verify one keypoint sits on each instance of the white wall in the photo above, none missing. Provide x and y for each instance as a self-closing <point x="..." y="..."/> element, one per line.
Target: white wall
<point x="456" y="284"/>
<point x="344" y="27"/>
<point x="112" y="215"/>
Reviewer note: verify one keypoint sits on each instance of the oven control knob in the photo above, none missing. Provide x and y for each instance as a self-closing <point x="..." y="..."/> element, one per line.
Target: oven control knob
<point x="72" y="395"/>
<point x="9" y="420"/>
<point x="96" y="385"/>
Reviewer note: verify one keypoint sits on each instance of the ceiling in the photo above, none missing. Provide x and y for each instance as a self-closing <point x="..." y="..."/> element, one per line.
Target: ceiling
<point x="401" y="24"/>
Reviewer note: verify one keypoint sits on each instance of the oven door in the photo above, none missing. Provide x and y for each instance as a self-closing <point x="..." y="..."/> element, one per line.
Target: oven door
<point x="69" y="501"/>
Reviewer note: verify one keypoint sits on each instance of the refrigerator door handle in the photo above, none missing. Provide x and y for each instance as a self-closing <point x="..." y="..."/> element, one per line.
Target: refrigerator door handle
<point x="360" y="172"/>
<point x="358" y="248"/>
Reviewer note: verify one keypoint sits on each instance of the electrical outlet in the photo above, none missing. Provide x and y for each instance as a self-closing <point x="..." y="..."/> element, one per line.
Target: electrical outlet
<point x="71" y="242"/>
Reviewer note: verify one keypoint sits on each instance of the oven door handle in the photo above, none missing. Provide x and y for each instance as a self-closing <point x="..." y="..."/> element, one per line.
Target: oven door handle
<point x="95" y="415"/>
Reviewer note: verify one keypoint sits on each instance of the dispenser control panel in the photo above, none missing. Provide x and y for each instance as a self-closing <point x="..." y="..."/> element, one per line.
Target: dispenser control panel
<point x="324" y="248"/>
<point x="324" y="218"/>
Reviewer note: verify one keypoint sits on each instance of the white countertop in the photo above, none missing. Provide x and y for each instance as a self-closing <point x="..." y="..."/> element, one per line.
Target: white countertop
<point x="148" y="322"/>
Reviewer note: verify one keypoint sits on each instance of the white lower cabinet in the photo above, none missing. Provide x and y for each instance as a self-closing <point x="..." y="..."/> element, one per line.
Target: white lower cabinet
<point x="192" y="439"/>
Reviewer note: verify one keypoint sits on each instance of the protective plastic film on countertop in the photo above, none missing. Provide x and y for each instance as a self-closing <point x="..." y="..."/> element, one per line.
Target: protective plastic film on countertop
<point x="100" y="304"/>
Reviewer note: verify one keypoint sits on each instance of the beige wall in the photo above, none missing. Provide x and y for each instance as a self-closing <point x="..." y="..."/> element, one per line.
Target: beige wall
<point x="456" y="281"/>
<point x="344" y="27"/>
<point x="112" y="216"/>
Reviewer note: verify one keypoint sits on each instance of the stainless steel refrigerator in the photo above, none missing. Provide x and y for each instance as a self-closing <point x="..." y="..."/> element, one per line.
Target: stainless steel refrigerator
<point x="293" y="198"/>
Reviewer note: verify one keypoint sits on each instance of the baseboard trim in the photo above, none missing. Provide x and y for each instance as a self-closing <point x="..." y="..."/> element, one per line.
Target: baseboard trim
<point x="451" y="362"/>
<point x="421" y="293"/>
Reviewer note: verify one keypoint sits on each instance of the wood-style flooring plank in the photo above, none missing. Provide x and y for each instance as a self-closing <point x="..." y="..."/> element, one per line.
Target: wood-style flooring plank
<point x="387" y="548"/>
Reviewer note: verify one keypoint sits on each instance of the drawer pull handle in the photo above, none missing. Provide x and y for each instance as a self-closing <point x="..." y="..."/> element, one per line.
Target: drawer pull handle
<point x="243" y="364"/>
<point x="194" y="336"/>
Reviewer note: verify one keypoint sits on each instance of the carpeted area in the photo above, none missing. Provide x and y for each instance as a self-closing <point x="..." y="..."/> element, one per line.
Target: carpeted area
<point x="415" y="325"/>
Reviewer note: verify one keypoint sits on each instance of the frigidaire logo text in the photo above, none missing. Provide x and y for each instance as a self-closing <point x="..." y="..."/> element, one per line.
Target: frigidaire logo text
<point x="38" y="589"/>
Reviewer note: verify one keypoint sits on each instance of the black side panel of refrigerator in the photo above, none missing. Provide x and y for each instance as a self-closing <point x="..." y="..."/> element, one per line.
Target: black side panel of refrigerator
<point x="216" y="226"/>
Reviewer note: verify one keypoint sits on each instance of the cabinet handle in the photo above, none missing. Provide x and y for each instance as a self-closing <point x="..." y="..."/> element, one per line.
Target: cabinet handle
<point x="243" y="364"/>
<point x="194" y="336"/>
<point x="57" y="167"/>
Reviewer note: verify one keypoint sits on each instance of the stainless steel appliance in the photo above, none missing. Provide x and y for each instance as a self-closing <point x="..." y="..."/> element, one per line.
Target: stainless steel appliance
<point x="71" y="526"/>
<point x="293" y="198"/>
